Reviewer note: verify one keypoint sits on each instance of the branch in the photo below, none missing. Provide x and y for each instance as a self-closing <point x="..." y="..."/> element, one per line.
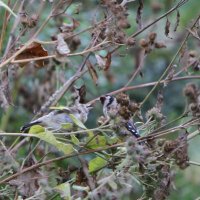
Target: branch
<point x="33" y="167"/>
<point x="170" y="65"/>
<point x="59" y="93"/>
<point x="143" y="86"/>
<point x="179" y="4"/>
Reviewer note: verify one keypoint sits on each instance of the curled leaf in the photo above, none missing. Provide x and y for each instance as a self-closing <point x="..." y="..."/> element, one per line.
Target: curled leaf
<point x="69" y="27"/>
<point x="92" y="72"/>
<point x="139" y="14"/>
<point x="62" y="47"/>
<point x="108" y="61"/>
<point x="160" y="45"/>
<point x="77" y="122"/>
<point x="34" y="50"/>
<point x="177" y="21"/>
<point x="80" y="93"/>
<point x="167" y="27"/>
<point x="51" y="139"/>
<point x="100" y="61"/>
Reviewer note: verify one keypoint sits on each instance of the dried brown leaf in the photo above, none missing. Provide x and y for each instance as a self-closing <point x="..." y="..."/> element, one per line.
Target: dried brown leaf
<point x="92" y="72"/>
<point x="69" y="27"/>
<point x="110" y="77"/>
<point x="167" y="27"/>
<point x="80" y="93"/>
<point x="160" y="45"/>
<point x="108" y="61"/>
<point x="139" y="14"/>
<point x="100" y="61"/>
<point x="177" y="21"/>
<point x="34" y="50"/>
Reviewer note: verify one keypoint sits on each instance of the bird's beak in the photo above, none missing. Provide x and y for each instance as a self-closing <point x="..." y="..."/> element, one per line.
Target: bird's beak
<point x="102" y="99"/>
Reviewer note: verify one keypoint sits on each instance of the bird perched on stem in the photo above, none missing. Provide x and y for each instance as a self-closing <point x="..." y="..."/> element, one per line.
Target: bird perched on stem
<point x="59" y="117"/>
<point x="111" y="110"/>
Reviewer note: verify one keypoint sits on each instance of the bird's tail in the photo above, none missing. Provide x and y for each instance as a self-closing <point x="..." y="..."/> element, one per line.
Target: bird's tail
<point x="27" y="126"/>
<point x="133" y="129"/>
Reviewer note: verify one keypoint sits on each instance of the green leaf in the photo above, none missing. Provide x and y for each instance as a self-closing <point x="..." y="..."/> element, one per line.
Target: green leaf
<point x="7" y="8"/>
<point x="65" y="148"/>
<point x="64" y="190"/>
<point x="67" y="126"/>
<point x="96" y="164"/>
<point x="51" y="139"/>
<point x="111" y="139"/>
<point x="74" y="139"/>
<point x="36" y="129"/>
<point x="77" y="122"/>
<point x="96" y="142"/>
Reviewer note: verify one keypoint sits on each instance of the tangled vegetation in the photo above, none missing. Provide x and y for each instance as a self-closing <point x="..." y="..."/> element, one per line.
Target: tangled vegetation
<point x="59" y="54"/>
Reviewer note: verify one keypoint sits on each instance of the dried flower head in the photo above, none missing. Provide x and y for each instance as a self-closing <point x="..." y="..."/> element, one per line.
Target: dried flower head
<point x="123" y="99"/>
<point x="125" y="112"/>
<point x="152" y="37"/>
<point x="191" y="92"/>
<point x="154" y="114"/>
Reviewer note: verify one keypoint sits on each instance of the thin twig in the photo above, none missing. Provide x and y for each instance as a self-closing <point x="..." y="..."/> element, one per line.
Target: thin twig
<point x="33" y="167"/>
<point x="194" y="163"/>
<point x="144" y="85"/>
<point x="170" y="65"/>
<point x="179" y="4"/>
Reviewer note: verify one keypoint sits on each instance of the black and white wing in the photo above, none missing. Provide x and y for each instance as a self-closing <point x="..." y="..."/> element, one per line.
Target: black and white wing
<point x="130" y="126"/>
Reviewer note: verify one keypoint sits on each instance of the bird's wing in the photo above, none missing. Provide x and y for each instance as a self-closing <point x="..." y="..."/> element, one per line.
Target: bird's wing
<point x="63" y="110"/>
<point x="130" y="126"/>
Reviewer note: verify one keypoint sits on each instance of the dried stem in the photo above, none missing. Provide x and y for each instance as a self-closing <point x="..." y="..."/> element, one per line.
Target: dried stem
<point x="170" y="65"/>
<point x="33" y="167"/>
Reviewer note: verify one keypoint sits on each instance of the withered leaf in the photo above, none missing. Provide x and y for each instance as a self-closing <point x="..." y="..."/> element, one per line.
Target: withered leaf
<point x="108" y="61"/>
<point x="80" y="93"/>
<point x="167" y="27"/>
<point x="100" y="61"/>
<point x="34" y="50"/>
<point x="159" y="45"/>
<point x="177" y="21"/>
<point x="110" y="77"/>
<point x="139" y="14"/>
<point x="92" y="72"/>
<point x="62" y="47"/>
<point x="69" y="27"/>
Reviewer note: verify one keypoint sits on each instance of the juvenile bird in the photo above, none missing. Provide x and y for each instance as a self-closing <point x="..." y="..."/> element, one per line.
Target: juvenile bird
<point x="110" y="110"/>
<point x="57" y="118"/>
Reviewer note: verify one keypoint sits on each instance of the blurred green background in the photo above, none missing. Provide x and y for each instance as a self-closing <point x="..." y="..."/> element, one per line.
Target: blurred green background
<point x="30" y="87"/>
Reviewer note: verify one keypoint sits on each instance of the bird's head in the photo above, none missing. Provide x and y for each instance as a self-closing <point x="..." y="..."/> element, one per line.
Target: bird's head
<point x="107" y="100"/>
